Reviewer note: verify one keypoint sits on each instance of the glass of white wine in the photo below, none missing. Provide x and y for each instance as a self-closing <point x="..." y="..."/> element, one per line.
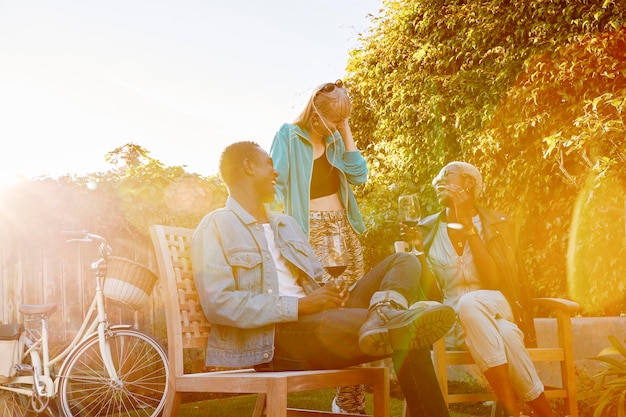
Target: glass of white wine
<point x="442" y="187"/>
<point x="455" y="225"/>
<point x="410" y="214"/>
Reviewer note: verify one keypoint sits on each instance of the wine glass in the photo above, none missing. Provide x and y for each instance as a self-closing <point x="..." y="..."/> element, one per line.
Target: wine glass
<point x="409" y="214"/>
<point x="440" y="188"/>
<point x="455" y="225"/>
<point x="334" y="256"/>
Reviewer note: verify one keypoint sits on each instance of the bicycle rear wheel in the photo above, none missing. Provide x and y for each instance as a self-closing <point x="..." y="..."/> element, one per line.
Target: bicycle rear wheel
<point x="86" y="389"/>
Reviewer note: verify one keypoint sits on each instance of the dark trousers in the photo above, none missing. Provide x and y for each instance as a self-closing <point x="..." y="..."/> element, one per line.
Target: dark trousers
<point x="330" y="339"/>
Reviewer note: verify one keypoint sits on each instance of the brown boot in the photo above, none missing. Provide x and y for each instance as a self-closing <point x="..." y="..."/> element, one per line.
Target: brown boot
<point x="389" y="327"/>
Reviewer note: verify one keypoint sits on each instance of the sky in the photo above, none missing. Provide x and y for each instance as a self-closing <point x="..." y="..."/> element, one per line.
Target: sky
<point x="181" y="78"/>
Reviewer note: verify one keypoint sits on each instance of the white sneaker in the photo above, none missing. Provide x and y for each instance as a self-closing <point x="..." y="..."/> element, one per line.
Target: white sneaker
<point x="336" y="408"/>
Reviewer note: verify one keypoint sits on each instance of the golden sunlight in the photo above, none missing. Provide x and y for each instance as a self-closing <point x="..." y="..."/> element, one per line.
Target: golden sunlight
<point x="596" y="263"/>
<point x="9" y="179"/>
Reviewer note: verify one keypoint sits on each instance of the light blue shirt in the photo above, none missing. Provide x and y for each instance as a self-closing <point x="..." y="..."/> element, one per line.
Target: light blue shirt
<point x="292" y="154"/>
<point x="237" y="282"/>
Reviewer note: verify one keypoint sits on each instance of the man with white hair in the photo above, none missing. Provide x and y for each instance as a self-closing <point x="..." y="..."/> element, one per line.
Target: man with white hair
<point x="471" y="255"/>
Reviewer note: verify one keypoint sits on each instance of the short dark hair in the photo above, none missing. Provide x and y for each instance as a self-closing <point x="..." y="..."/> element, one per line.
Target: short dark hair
<point x="232" y="158"/>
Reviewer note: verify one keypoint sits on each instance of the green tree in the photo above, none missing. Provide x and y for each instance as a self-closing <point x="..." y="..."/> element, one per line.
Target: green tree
<point x="148" y="192"/>
<point x="507" y="86"/>
<point x="123" y="202"/>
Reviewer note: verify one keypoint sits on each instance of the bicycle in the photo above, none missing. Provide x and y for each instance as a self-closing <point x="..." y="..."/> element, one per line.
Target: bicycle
<point x="106" y="370"/>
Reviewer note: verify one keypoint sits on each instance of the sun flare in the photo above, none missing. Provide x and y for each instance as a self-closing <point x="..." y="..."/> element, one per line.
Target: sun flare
<point x="7" y="180"/>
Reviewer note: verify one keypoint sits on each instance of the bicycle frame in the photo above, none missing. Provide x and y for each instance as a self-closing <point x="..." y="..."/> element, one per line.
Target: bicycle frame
<point x="126" y="367"/>
<point x="95" y="322"/>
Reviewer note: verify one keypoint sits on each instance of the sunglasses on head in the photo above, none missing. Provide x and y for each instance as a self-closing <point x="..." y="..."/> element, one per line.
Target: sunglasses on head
<point x="330" y="87"/>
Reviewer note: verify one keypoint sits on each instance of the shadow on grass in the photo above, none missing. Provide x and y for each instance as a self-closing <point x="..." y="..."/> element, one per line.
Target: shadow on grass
<point x="243" y="405"/>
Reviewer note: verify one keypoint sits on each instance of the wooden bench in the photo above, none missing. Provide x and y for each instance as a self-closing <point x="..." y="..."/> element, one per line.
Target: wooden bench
<point x="187" y="328"/>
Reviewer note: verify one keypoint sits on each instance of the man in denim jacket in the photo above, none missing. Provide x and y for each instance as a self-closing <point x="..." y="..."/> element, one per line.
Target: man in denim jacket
<point x="257" y="279"/>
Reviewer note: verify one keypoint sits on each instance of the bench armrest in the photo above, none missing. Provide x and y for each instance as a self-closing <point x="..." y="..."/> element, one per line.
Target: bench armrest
<point x="567" y="306"/>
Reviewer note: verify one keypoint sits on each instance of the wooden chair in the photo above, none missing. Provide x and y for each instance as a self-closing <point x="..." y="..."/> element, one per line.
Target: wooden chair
<point x="563" y="354"/>
<point x="187" y="328"/>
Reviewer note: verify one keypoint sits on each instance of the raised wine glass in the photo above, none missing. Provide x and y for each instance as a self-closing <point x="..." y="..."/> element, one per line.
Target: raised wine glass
<point x="455" y="225"/>
<point x="334" y="256"/>
<point x="441" y="187"/>
<point x="410" y="214"/>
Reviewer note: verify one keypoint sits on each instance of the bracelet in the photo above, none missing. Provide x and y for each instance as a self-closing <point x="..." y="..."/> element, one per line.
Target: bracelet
<point x="472" y="232"/>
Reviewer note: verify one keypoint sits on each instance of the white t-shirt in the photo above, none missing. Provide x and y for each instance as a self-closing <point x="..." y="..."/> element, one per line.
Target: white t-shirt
<point x="287" y="283"/>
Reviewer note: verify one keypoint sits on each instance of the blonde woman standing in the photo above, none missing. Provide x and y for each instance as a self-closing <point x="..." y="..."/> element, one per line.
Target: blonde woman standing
<point x="317" y="162"/>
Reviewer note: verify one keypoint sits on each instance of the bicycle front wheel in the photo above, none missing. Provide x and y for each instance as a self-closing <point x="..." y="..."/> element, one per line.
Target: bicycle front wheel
<point x="87" y="389"/>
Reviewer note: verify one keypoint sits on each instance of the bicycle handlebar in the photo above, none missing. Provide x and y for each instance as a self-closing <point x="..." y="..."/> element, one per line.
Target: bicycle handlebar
<point x="82" y="236"/>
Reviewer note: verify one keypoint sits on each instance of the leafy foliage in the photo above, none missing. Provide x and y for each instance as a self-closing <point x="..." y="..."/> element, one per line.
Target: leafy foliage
<point x="150" y="193"/>
<point x="612" y="398"/>
<point x="531" y="92"/>
<point x="123" y="202"/>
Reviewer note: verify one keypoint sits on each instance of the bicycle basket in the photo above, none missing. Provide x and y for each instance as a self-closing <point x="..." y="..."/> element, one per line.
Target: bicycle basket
<point x="11" y="345"/>
<point x="127" y="283"/>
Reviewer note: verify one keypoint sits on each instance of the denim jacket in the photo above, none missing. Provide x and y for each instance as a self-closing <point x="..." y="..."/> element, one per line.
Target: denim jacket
<point x="292" y="154"/>
<point x="237" y="282"/>
<point x="500" y="240"/>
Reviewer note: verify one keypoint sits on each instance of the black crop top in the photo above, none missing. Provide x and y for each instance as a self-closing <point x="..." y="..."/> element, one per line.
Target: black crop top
<point x="324" y="179"/>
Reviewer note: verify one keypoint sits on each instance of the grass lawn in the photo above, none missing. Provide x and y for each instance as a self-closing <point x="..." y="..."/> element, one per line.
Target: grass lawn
<point x="243" y="405"/>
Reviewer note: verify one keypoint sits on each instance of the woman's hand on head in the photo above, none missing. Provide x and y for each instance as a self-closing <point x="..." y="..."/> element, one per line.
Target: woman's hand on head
<point x="346" y="134"/>
<point x="343" y="125"/>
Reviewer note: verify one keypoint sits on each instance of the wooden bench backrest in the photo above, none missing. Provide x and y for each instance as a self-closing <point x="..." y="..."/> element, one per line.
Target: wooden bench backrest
<point x="187" y="326"/>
